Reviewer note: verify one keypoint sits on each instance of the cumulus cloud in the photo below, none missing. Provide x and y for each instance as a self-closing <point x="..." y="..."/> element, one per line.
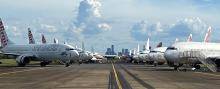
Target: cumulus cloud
<point x="45" y="28"/>
<point x="89" y="19"/>
<point x="141" y="30"/>
<point x="15" y="31"/>
<point x="184" y="27"/>
<point x="181" y="29"/>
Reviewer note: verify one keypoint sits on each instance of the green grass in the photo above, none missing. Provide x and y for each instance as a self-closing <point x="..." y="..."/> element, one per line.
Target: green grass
<point x="12" y="62"/>
<point x="8" y="62"/>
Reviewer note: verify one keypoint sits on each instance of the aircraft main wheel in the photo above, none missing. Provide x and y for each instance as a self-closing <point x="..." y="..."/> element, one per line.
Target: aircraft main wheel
<point x="155" y="64"/>
<point x="197" y="66"/>
<point x="67" y="64"/>
<point x="176" y="68"/>
<point x="43" y="64"/>
<point x="21" y="64"/>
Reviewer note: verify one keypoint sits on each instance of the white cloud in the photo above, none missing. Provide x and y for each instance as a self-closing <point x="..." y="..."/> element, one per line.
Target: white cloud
<point x="48" y="28"/>
<point x="89" y="20"/>
<point x="104" y="26"/>
<point x="15" y="31"/>
<point x="181" y="29"/>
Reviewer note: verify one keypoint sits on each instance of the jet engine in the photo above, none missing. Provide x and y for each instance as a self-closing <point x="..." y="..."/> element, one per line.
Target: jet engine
<point x="22" y="60"/>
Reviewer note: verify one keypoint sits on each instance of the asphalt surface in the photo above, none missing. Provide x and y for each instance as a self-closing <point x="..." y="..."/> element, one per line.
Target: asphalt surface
<point x="105" y="76"/>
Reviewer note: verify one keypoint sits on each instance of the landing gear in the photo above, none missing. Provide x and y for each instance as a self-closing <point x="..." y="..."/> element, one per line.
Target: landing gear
<point x="150" y="62"/>
<point x="197" y="66"/>
<point x="155" y="64"/>
<point x="176" y="68"/>
<point x="44" y="63"/>
<point x="21" y="64"/>
<point x="67" y="64"/>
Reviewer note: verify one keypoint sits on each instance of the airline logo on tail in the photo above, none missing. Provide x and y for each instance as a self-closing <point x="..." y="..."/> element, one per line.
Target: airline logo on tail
<point x="30" y="36"/>
<point x="207" y="35"/>
<point x="3" y="35"/>
<point x="160" y="44"/>
<point x="189" y="38"/>
<point x="43" y="39"/>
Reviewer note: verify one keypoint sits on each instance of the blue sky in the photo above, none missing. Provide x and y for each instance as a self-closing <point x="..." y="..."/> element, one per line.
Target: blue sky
<point x="124" y="23"/>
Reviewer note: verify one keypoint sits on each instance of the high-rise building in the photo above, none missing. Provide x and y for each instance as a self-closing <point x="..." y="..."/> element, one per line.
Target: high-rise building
<point x="112" y="50"/>
<point x="108" y="51"/>
<point x="126" y="52"/>
<point x="123" y="51"/>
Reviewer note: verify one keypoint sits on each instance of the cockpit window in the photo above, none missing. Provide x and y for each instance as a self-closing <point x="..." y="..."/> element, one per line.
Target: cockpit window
<point x="171" y="48"/>
<point x="153" y="51"/>
<point x="68" y="49"/>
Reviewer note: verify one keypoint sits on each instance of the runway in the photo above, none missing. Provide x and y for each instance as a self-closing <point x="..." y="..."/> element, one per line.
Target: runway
<point x="105" y="76"/>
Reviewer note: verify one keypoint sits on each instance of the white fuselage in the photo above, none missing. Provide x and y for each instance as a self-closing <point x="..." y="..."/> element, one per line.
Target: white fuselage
<point x="45" y="52"/>
<point x="157" y="55"/>
<point x="85" y="56"/>
<point x="209" y="50"/>
<point x="142" y="56"/>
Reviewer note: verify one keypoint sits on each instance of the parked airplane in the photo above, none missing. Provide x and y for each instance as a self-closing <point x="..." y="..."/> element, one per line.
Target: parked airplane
<point x="142" y="56"/>
<point x="157" y="54"/>
<point x="194" y="53"/>
<point x="84" y="56"/>
<point x="36" y="52"/>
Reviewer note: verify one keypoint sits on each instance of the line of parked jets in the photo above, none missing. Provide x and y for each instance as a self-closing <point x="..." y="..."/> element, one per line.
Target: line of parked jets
<point x="45" y="52"/>
<point x="180" y="53"/>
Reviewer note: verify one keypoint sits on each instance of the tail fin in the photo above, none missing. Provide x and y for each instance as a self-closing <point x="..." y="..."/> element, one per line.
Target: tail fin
<point x="30" y="36"/>
<point x="55" y="41"/>
<point x="189" y="38"/>
<point x="208" y="34"/>
<point x="3" y="35"/>
<point x="43" y="39"/>
<point x="147" y="46"/>
<point x="160" y="44"/>
<point x="138" y="49"/>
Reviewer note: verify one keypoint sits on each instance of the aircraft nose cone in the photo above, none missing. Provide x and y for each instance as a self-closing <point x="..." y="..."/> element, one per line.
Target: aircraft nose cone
<point x="75" y="52"/>
<point x="171" y="55"/>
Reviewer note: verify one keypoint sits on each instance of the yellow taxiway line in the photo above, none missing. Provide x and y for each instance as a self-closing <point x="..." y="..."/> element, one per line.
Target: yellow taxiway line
<point x="116" y="77"/>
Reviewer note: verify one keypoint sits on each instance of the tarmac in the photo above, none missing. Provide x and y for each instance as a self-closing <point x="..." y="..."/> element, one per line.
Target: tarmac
<point x="105" y="76"/>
